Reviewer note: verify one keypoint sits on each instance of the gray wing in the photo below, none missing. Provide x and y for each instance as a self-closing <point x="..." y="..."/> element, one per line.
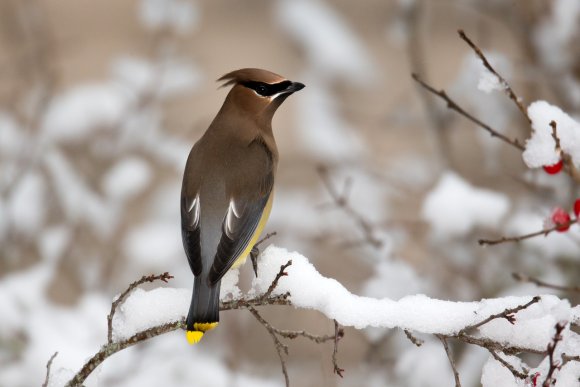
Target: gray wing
<point x="190" y="232"/>
<point x="248" y="199"/>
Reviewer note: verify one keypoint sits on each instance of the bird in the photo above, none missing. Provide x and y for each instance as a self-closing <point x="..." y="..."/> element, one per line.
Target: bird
<point x="227" y="188"/>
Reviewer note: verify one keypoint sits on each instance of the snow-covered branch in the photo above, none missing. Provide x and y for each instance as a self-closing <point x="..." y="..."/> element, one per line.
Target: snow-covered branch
<point x="511" y="325"/>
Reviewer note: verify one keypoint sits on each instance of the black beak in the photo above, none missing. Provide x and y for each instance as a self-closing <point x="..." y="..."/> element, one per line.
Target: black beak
<point x="294" y="87"/>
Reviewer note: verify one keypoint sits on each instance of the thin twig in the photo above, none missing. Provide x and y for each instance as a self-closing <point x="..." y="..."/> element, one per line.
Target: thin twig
<point x="525" y="278"/>
<point x="274" y="283"/>
<point x="146" y="278"/>
<point x="413" y="339"/>
<point x="454" y="106"/>
<point x="48" y="365"/>
<point x="280" y="347"/>
<point x="516" y="373"/>
<point x="341" y="201"/>
<point x="554" y="364"/>
<point x="508" y="314"/>
<point x="570" y="167"/>
<point x="518" y="238"/>
<point x="338" y="334"/>
<point x="448" y="352"/>
<point x="265" y="238"/>
<point x="507" y="88"/>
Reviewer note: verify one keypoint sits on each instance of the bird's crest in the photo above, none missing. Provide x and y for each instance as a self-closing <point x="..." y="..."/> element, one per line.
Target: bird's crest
<point x="250" y="74"/>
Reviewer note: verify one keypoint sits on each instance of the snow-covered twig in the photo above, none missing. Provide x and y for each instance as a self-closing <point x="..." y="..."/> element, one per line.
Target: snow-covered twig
<point x="450" y="358"/>
<point x="507" y="314"/>
<point x="566" y="158"/>
<point x="48" y="365"/>
<point x="518" y="238"/>
<point x="507" y="88"/>
<point x="526" y="278"/>
<point x="123" y="296"/>
<point x="554" y="364"/>
<point x="454" y="106"/>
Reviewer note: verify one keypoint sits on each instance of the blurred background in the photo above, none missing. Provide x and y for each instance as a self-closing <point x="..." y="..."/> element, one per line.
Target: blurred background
<point x="101" y="101"/>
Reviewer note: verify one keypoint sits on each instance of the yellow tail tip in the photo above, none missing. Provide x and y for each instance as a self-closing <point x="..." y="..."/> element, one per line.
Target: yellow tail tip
<point x="193" y="337"/>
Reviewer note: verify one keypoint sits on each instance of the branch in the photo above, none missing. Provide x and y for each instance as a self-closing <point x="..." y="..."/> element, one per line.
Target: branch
<point x="554" y="365"/>
<point x="48" y="365"/>
<point x="146" y="278"/>
<point x="525" y="278"/>
<point x="413" y="339"/>
<point x="491" y="242"/>
<point x="341" y="201"/>
<point x="507" y="88"/>
<point x="280" y="348"/>
<point x="454" y="106"/>
<point x="450" y="358"/>
<point x="516" y="373"/>
<point x="265" y="238"/>
<point x="338" y="334"/>
<point x="274" y="283"/>
<point x="570" y="167"/>
<point x="508" y="314"/>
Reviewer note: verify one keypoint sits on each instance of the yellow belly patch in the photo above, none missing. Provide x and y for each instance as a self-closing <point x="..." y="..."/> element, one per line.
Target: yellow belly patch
<point x="241" y="259"/>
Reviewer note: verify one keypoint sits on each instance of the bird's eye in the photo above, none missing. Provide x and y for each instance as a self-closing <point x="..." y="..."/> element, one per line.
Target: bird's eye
<point x="261" y="89"/>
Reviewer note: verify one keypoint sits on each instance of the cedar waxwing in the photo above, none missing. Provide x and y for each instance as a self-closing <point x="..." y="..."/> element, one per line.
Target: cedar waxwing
<point x="226" y="194"/>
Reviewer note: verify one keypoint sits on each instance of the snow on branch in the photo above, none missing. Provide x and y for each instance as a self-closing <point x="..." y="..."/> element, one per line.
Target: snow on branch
<point x="510" y="325"/>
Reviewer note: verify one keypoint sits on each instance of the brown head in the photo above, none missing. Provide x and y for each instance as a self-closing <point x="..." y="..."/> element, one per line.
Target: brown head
<point x="257" y="92"/>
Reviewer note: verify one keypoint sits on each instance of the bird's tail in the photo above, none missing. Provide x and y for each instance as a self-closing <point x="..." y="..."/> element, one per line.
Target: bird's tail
<point x="204" y="309"/>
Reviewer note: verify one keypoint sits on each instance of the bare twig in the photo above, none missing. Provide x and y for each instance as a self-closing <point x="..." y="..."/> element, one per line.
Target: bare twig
<point x="413" y="339"/>
<point x="280" y="347"/>
<point x="570" y="167"/>
<point x="525" y="278"/>
<point x="508" y="314"/>
<point x="48" y="365"/>
<point x="554" y="364"/>
<point x="341" y="201"/>
<point x="146" y="278"/>
<point x="448" y="352"/>
<point x="507" y="88"/>
<point x="265" y="238"/>
<point x="454" y="106"/>
<point x="516" y="373"/>
<point x="491" y="242"/>
<point x="338" y="334"/>
<point x="274" y="283"/>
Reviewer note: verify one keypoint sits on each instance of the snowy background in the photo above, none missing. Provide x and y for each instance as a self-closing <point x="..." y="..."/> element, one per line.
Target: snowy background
<point x="100" y="103"/>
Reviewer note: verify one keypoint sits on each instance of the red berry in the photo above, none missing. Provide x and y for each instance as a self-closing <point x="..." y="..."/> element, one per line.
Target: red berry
<point x="577" y="208"/>
<point x="554" y="168"/>
<point x="561" y="219"/>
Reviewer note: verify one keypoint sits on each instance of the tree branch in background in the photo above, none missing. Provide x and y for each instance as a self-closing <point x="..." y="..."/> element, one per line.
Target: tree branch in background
<point x="123" y="296"/>
<point x="450" y="358"/>
<point x="506" y="86"/>
<point x="413" y="339"/>
<point x="48" y="365"/>
<point x="338" y="334"/>
<point x="554" y="364"/>
<point x="525" y="278"/>
<point x="454" y="106"/>
<point x="341" y="200"/>
<point x="491" y="242"/>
